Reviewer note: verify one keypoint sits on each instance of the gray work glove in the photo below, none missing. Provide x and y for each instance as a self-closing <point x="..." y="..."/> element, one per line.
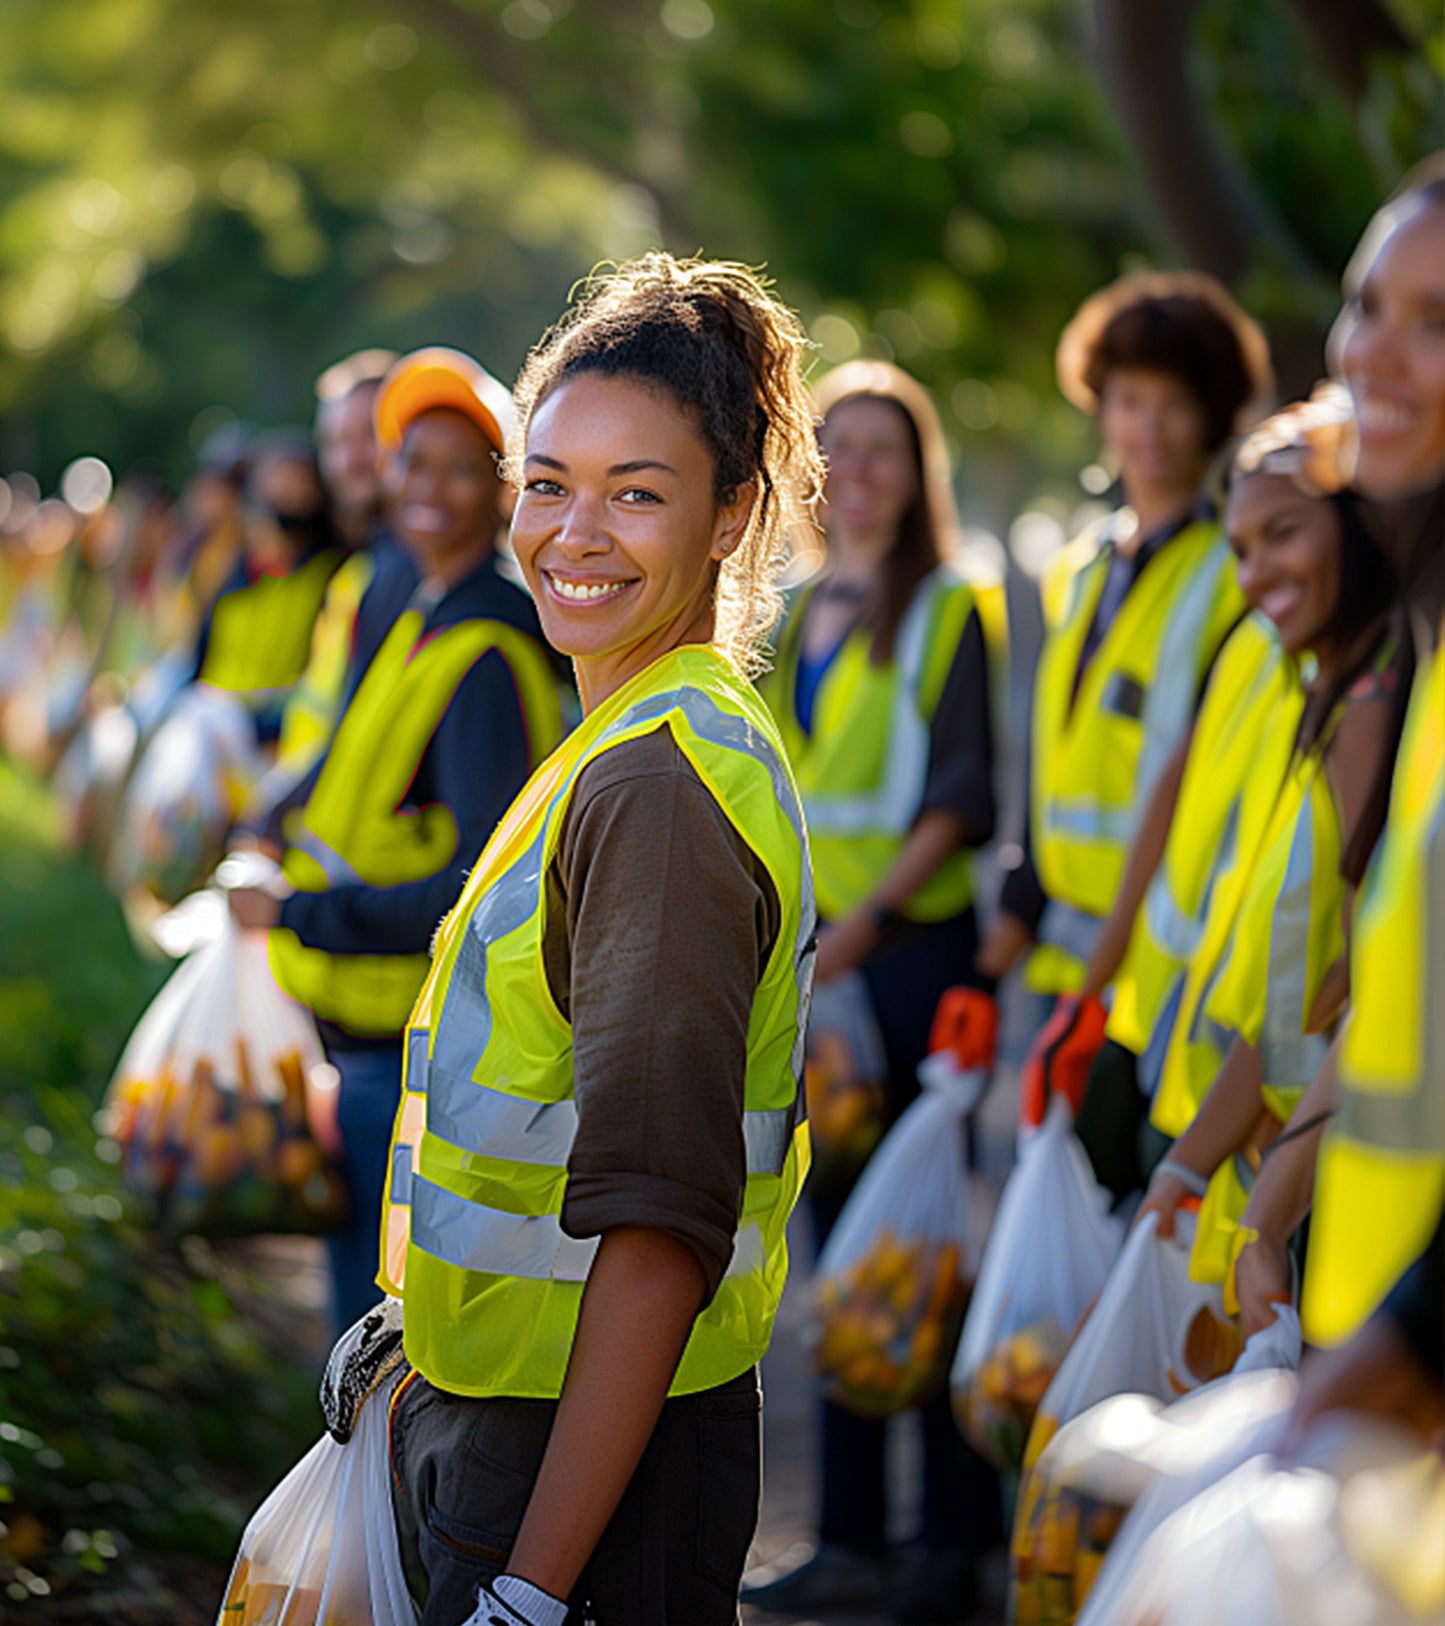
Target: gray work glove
<point x="364" y="1356"/>
<point x="522" y="1605"/>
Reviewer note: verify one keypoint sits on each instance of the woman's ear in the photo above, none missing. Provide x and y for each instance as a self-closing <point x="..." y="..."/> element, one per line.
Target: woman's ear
<point x="731" y="522"/>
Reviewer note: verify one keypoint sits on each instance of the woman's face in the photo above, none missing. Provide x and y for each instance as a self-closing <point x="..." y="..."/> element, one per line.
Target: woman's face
<point x="1155" y="425"/>
<point x="283" y="500"/>
<point x="1389" y="345"/>
<point x="1287" y="548"/>
<point x="616" y="528"/>
<point x="448" y="492"/>
<point x="872" y="468"/>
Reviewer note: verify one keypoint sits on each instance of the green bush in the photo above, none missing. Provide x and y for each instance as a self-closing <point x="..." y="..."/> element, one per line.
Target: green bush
<point x="140" y="1412"/>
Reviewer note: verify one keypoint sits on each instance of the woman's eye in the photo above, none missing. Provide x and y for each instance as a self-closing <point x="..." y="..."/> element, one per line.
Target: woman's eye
<point x="543" y="488"/>
<point x="639" y="494"/>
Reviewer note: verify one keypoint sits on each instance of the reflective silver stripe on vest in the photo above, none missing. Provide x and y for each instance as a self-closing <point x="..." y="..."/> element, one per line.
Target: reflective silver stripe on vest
<point x="416" y="1060"/>
<point x="401" y="1175"/>
<point x="1170" y="700"/>
<point x="1175" y="930"/>
<point x="493" y="1123"/>
<point x="1089" y="821"/>
<point x="1282" y="1031"/>
<point x="1069" y="929"/>
<point x="1151" y="1063"/>
<point x="1290" y="1062"/>
<point x="891" y="809"/>
<point x="335" y="868"/>
<point x="493" y="1242"/>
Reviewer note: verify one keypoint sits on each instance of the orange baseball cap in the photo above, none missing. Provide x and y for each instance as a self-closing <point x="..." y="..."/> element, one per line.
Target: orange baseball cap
<point x="441" y="377"/>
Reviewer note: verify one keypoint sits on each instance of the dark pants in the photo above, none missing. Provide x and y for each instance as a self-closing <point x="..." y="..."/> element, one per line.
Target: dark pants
<point x="1113" y="1124"/>
<point x="961" y="1508"/>
<point x="365" y="1114"/>
<point x="674" y="1551"/>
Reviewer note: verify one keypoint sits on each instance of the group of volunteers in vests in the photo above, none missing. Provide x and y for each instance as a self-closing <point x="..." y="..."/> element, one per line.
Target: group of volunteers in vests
<point x="560" y="944"/>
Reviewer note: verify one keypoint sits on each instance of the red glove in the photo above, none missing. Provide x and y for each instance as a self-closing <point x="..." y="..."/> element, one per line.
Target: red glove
<point x="1060" y="1057"/>
<point x="966" y="1022"/>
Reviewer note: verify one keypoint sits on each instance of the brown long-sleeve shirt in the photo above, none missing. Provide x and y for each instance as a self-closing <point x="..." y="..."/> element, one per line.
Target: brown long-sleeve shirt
<point x="660" y="922"/>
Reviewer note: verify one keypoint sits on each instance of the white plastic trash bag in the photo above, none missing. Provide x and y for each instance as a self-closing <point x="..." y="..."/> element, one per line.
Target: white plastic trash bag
<point x="214" y="1098"/>
<point x="322" y="1549"/>
<point x="1347" y="1534"/>
<point x="892" y="1280"/>
<point x="189" y="783"/>
<point x="1052" y="1245"/>
<point x="846" y="1075"/>
<point x="1154" y="1331"/>
<point x="1099" y="1464"/>
<point x="1204" y="1437"/>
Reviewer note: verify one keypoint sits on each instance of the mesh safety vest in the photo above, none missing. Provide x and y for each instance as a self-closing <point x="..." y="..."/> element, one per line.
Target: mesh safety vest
<point x="354" y="827"/>
<point x="261" y="633"/>
<point x="1381" y="1173"/>
<point x="471" y="1228"/>
<point x="863" y="768"/>
<point x="1250" y="685"/>
<point x="1096" y="754"/>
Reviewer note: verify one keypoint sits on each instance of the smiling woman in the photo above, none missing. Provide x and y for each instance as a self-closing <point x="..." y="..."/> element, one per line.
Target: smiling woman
<point x="602" y="1138"/>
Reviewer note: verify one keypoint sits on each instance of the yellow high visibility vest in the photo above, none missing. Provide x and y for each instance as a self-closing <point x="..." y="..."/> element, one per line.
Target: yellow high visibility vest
<point x="862" y="770"/>
<point x="314" y="705"/>
<point x="1381" y="1172"/>
<point x="1269" y="821"/>
<point x="261" y="633"/>
<point x="354" y="829"/>
<point x="1096" y="755"/>
<point x="1288" y="931"/>
<point x="1250" y="685"/>
<point x="471" y="1232"/>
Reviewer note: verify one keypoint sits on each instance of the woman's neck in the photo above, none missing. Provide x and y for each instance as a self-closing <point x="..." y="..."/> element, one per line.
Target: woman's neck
<point x="1154" y="508"/>
<point x="460" y="562"/>
<point x="599" y="677"/>
<point x="854" y="555"/>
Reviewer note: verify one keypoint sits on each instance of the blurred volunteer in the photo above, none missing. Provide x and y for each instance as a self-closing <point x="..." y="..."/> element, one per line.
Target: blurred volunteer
<point x="1187" y="839"/>
<point x="1376" y="1110"/>
<point x="457" y="707"/>
<point x="257" y="632"/>
<point x="1135" y="612"/>
<point x="881" y="692"/>
<point x="1270" y="975"/>
<point x="602" y="1135"/>
<point x="372" y="586"/>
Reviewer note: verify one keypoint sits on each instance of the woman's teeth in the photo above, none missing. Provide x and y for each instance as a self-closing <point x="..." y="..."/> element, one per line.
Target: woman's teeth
<point x="1278" y="604"/>
<point x="583" y="592"/>
<point x="1383" y="415"/>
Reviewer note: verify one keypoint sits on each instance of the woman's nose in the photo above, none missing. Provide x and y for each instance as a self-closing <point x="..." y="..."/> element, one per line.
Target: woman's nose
<point x="581" y="529"/>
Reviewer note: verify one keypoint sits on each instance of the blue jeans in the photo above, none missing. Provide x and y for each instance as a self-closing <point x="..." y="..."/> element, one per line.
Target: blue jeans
<point x="365" y="1114"/>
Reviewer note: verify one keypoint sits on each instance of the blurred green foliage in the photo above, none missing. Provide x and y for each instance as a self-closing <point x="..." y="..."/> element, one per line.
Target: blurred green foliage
<point x="138" y="1411"/>
<point x="202" y="202"/>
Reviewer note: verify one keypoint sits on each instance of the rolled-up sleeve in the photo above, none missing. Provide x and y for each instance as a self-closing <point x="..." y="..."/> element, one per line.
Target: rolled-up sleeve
<point x="669" y="917"/>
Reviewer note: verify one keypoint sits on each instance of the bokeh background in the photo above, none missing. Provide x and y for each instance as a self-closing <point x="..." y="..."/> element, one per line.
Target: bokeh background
<point x="204" y="202"/>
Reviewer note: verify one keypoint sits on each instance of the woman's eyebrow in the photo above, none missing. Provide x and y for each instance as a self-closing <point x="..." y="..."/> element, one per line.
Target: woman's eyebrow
<point x="638" y="464"/>
<point x="547" y="462"/>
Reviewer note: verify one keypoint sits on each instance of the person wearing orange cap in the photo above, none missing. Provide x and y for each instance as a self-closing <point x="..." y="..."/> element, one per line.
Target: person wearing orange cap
<point x="452" y="714"/>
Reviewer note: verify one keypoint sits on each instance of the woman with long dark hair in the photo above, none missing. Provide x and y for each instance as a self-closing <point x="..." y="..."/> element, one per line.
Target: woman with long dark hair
<point x="881" y="690"/>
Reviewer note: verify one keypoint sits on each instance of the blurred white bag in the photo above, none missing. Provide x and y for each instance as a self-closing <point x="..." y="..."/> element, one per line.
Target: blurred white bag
<point x="187" y="788"/>
<point x="1050" y="1251"/>
<point x="1203" y="1437"/>
<point x="214" y="1098"/>
<point x="1348" y="1534"/>
<point x="1154" y="1331"/>
<point x="892" y="1280"/>
<point x="322" y="1549"/>
<point x="846" y="1075"/>
<point x="1092" y="1473"/>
